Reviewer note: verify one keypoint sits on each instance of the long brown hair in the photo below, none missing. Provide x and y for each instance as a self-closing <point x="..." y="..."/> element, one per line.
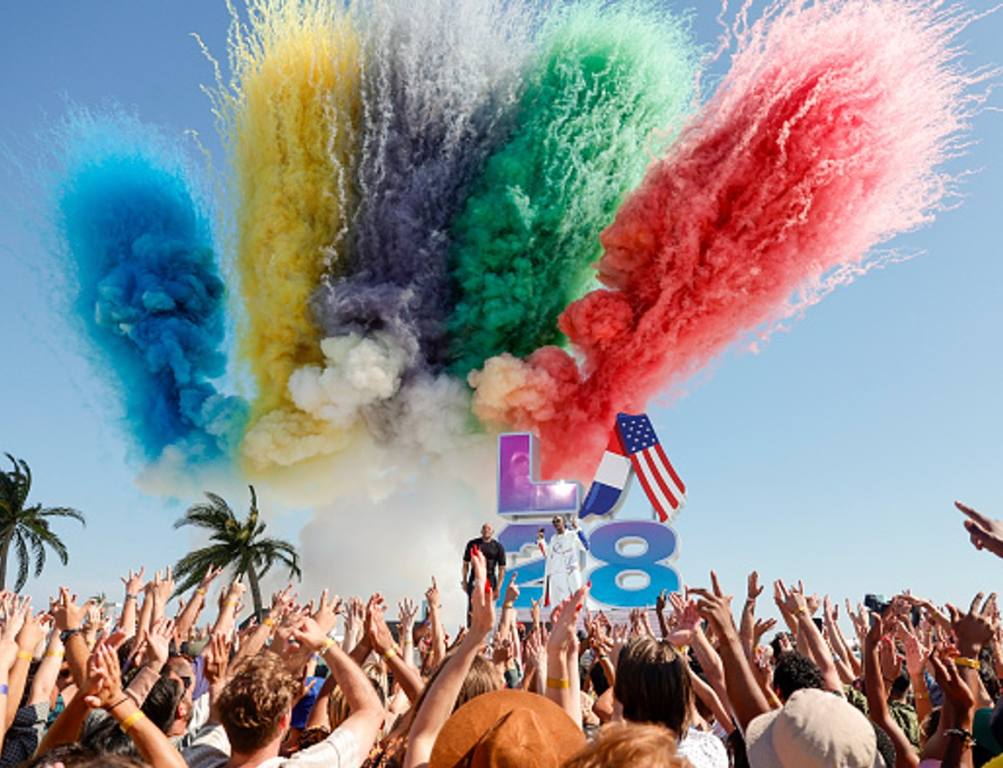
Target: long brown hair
<point x="653" y="685"/>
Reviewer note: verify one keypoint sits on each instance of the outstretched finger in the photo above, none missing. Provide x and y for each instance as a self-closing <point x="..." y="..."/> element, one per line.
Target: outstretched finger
<point x="974" y="607"/>
<point x="980" y="520"/>
<point x="989" y="606"/>
<point x="715" y="584"/>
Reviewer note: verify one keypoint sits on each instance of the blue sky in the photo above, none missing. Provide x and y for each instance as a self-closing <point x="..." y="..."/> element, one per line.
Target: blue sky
<point x="833" y="454"/>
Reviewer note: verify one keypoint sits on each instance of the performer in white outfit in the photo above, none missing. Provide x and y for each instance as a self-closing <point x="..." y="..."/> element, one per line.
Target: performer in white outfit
<point x="563" y="570"/>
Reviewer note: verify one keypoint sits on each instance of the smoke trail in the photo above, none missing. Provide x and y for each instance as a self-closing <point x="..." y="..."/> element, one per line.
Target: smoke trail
<point x="822" y="141"/>
<point x="150" y="298"/>
<point x="289" y="117"/>
<point x="605" y="80"/>
<point x="438" y="89"/>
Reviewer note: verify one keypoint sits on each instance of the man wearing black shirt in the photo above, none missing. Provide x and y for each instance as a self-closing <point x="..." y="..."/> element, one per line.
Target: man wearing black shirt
<point x="494" y="554"/>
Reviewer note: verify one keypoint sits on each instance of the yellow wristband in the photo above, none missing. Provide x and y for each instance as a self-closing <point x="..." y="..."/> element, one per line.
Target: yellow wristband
<point x="131" y="720"/>
<point x="25" y="655"/>
<point x="269" y="622"/>
<point x="200" y="591"/>
<point x="558" y="682"/>
<point x="960" y="661"/>
<point x="54" y="654"/>
<point x="391" y="653"/>
<point x="327" y="645"/>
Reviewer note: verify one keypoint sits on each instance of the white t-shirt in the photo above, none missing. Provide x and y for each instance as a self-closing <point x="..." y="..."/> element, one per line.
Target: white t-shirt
<point x="211" y="749"/>
<point x="703" y="750"/>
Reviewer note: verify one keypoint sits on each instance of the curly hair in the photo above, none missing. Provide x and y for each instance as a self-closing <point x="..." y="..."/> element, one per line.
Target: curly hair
<point x="630" y="744"/>
<point x="794" y="672"/>
<point x="254" y="701"/>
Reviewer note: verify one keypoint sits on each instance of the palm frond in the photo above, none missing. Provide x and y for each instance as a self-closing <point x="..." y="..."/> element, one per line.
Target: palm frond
<point x="190" y="569"/>
<point x="70" y="512"/>
<point x="38" y="550"/>
<point x="22" y="561"/>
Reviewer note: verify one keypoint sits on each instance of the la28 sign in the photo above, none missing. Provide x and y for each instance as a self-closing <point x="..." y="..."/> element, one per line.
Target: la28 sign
<point x="628" y="561"/>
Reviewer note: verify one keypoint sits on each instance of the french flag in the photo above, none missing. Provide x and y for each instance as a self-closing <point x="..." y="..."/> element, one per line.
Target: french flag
<point x="609" y="480"/>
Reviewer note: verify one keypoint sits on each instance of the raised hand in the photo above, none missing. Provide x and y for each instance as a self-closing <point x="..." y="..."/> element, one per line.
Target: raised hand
<point x="512" y="590"/>
<point x="482" y="604"/>
<point x="915" y="654"/>
<point x="326" y="614"/>
<point x="32" y="630"/>
<point x="950" y="680"/>
<point x="310" y="635"/>
<point x="217" y="659"/>
<point x="158" y="644"/>
<point x="163" y="586"/>
<point x="432" y="595"/>
<point x="753" y="587"/>
<point x="985" y="533"/>
<point x="377" y="630"/>
<point x="975" y="628"/>
<point x="407" y="613"/>
<point x="211" y="574"/>
<point x="66" y="612"/>
<point x="661" y="601"/>
<point x="761" y="627"/>
<point x="715" y="606"/>
<point x="564" y="620"/>
<point x="104" y="678"/>
<point x="502" y="653"/>
<point x="134" y="581"/>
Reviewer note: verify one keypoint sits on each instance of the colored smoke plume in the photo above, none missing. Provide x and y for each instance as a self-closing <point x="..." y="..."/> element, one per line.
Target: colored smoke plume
<point x="289" y="118"/>
<point x="438" y="87"/>
<point x="609" y="87"/>
<point x="822" y="141"/>
<point x="149" y="297"/>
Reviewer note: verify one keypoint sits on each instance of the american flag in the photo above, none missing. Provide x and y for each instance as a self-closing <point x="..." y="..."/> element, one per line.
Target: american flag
<point x="665" y="490"/>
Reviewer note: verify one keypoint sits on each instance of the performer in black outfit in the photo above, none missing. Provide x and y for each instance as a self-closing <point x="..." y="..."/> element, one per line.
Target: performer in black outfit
<point x="494" y="555"/>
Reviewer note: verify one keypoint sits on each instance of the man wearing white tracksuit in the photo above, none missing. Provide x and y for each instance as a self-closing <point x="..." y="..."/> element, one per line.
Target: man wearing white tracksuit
<point x="563" y="569"/>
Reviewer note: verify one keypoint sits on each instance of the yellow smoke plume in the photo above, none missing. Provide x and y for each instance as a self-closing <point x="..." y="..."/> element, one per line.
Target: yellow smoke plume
<point x="290" y="116"/>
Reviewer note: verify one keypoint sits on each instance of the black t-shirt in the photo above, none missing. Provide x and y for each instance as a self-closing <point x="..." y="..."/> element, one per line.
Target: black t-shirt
<point x="494" y="554"/>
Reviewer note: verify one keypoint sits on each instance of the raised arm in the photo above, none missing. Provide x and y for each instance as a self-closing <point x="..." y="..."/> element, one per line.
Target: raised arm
<point x="747" y="700"/>
<point x="383" y="643"/>
<point x="227" y="618"/>
<point x="407" y="612"/>
<point x="151" y="742"/>
<point x="366" y="712"/>
<point x="563" y="681"/>
<point x="747" y="625"/>
<point x="435" y="624"/>
<point x="797" y="605"/>
<point x="441" y="696"/>
<point x="190" y="613"/>
<point x="133" y="587"/>
<point x="28" y="638"/>
<point x="877" y="698"/>
<point x="69" y="621"/>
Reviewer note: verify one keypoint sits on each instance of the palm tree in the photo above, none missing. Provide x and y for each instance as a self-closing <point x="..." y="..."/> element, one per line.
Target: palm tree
<point x="237" y="544"/>
<point x="27" y="528"/>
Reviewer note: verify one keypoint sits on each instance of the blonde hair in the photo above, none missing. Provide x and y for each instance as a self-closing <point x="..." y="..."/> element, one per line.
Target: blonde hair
<point x="627" y="745"/>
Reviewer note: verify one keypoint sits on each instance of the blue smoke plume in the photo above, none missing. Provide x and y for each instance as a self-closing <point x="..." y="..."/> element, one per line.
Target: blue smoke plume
<point x="150" y="298"/>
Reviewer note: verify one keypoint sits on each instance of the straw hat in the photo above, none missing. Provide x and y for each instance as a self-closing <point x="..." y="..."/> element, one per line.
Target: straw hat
<point x="507" y="729"/>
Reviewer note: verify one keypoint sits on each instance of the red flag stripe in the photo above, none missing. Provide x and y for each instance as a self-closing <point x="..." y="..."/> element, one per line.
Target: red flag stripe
<point x="662" y="515"/>
<point x="657" y="473"/>
<point x="672" y="471"/>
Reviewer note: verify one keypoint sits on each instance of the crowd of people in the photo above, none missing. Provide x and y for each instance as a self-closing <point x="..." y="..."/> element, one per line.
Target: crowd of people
<point x="698" y="681"/>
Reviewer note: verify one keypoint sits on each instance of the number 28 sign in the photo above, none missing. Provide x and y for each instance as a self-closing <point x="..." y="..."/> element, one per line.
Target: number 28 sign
<point x="628" y="561"/>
